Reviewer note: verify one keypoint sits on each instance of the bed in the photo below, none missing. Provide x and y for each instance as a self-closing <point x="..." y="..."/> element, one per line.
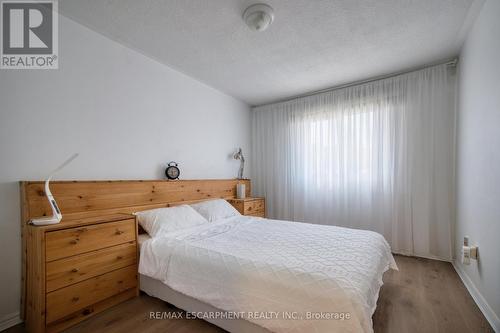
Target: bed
<point x="234" y="264"/>
<point x="250" y="274"/>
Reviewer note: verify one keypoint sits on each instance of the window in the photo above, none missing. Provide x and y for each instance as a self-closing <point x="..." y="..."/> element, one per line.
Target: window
<point x="345" y="150"/>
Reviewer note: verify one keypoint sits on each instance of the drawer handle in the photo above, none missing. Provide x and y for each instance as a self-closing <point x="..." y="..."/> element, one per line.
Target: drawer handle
<point x="119" y="257"/>
<point x="118" y="232"/>
<point x="74" y="270"/>
<point x="75" y="299"/>
<point x="74" y="241"/>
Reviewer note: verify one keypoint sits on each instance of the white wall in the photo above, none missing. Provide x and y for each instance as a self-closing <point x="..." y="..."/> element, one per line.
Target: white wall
<point x="478" y="169"/>
<point x="126" y="114"/>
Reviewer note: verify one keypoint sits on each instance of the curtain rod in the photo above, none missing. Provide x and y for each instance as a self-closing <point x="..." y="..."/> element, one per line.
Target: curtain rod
<point x="450" y="62"/>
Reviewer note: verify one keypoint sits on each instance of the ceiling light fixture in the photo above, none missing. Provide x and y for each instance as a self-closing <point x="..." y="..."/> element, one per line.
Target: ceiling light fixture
<point x="258" y="17"/>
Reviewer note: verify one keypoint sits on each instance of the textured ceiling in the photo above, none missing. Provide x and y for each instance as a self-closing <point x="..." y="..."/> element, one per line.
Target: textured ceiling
<point x="311" y="45"/>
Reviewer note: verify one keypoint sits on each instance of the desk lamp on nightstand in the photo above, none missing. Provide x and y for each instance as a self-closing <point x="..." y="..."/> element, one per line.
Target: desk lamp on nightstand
<point x="56" y="212"/>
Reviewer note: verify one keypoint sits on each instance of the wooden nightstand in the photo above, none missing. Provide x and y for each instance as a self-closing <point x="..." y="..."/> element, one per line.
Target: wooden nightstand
<point x="250" y="206"/>
<point x="78" y="268"/>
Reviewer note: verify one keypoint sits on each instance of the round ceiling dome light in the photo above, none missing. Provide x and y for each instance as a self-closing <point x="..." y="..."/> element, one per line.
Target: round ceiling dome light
<point x="258" y="17"/>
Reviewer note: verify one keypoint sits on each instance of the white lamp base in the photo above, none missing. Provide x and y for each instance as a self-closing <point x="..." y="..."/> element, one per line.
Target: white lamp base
<point x="240" y="191"/>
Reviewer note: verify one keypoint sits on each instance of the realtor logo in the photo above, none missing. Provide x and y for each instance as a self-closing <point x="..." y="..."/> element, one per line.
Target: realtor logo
<point x="29" y="35"/>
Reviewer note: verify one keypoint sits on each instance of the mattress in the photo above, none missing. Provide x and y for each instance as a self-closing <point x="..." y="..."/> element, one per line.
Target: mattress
<point x="280" y="275"/>
<point x="142" y="238"/>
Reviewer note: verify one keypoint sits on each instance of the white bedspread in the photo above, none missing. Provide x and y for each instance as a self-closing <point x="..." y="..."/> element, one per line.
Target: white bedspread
<point x="280" y="274"/>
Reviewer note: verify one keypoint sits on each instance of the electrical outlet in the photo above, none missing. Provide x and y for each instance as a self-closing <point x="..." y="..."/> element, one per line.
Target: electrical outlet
<point x="473" y="252"/>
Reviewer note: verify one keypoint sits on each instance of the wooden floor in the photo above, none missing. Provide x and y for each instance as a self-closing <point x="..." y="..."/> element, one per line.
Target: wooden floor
<point x="424" y="296"/>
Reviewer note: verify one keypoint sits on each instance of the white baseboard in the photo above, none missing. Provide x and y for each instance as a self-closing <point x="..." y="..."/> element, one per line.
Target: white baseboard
<point x="407" y="254"/>
<point x="485" y="308"/>
<point x="9" y="320"/>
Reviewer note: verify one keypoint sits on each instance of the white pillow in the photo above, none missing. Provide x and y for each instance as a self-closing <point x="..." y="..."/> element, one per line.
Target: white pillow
<point x="214" y="210"/>
<point x="164" y="220"/>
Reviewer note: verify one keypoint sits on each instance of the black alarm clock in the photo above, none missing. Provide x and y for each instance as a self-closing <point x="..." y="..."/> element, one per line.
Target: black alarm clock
<point x="172" y="171"/>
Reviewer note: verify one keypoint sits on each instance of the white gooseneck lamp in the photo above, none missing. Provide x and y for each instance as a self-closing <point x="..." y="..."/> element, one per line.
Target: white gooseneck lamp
<point x="239" y="156"/>
<point x="56" y="212"/>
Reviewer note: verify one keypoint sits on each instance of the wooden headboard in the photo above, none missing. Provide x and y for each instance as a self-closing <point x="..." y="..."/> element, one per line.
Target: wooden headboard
<point x="79" y="199"/>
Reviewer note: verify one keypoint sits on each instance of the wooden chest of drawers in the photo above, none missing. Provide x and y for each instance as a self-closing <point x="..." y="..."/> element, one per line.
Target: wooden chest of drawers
<point x="250" y="206"/>
<point x="76" y="269"/>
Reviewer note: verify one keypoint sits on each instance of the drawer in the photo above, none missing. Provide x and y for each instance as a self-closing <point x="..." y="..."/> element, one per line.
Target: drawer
<point x="69" y="242"/>
<point x="258" y="214"/>
<point x="254" y="207"/>
<point x="89" y="311"/>
<point x="67" y="300"/>
<point x="67" y="271"/>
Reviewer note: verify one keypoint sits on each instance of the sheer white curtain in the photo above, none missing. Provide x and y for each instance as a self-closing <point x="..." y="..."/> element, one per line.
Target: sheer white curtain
<point x="377" y="156"/>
